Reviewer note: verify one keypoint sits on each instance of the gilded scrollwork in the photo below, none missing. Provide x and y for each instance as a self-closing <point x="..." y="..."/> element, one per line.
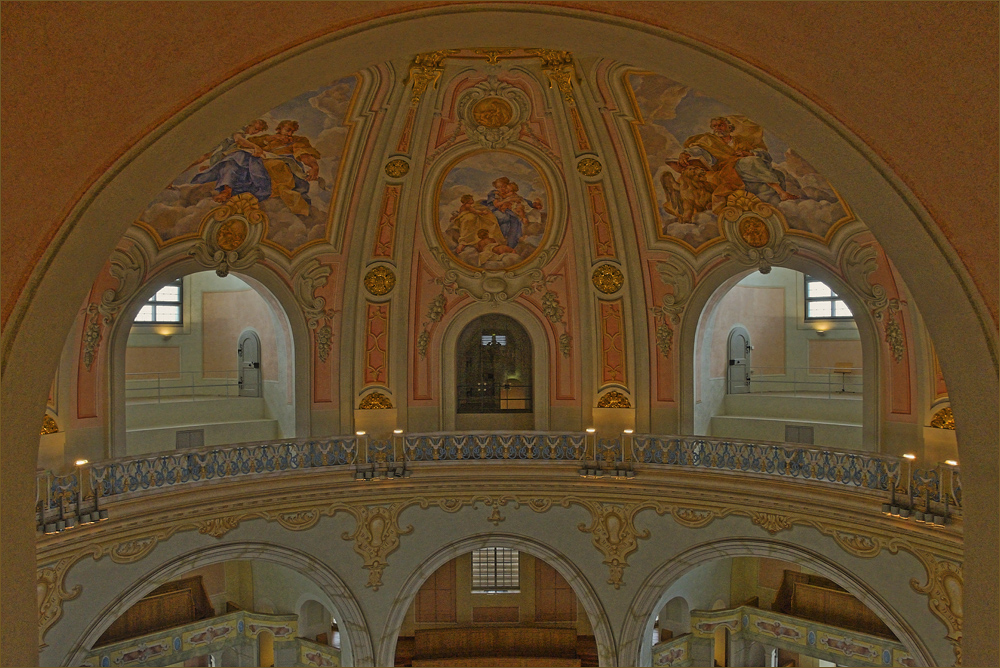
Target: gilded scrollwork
<point x="558" y="65"/>
<point x="217" y="527"/>
<point x="771" y="522"/>
<point x="374" y="402"/>
<point x="49" y="425"/>
<point x="943" y="419"/>
<point x="944" y="590"/>
<point x="554" y="311"/>
<point x="614" y="534"/>
<point x="376" y="537"/>
<point x="492" y="112"/>
<point x="397" y="168"/>
<point x="693" y="518"/>
<point x="614" y="399"/>
<point x="299" y="520"/>
<point x="426" y="70"/>
<point x="52" y="593"/>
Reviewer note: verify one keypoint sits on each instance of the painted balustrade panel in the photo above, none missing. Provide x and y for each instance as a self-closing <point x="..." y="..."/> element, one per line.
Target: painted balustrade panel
<point x="517" y="446"/>
<point x="775" y="629"/>
<point x="314" y="654"/>
<point x="673" y="652"/>
<point x="178" y="644"/>
<point x="869" y="471"/>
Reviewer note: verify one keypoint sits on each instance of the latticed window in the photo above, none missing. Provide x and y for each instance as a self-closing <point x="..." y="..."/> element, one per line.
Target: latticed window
<point x="494" y="367"/>
<point x="822" y="303"/>
<point x="165" y="307"/>
<point x="495" y="571"/>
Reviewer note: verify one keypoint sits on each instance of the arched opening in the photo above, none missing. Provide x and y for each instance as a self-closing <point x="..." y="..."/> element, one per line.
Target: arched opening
<point x="225" y="374"/>
<point x="752" y="590"/>
<point x="236" y="592"/>
<point x="551" y="599"/>
<point x="781" y="360"/>
<point x="494" y="376"/>
<point x="265" y="649"/>
<point x="496" y="604"/>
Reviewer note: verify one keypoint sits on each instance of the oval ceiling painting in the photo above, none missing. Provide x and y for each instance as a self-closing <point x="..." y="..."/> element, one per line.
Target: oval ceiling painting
<point x="493" y="210"/>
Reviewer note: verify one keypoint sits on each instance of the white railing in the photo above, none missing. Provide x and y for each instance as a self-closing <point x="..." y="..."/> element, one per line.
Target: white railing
<point x="160" y="386"/>
<point x="807" y="381"/>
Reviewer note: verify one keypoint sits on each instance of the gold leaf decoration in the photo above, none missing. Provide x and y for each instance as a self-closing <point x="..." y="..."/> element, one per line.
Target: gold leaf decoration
<point x="589" y="167"/>
<point x="298" y="520"/>
<point x="376" y="537"/>
<point x="375" y="401"/>
<point x="397" y="168"/>
<point x="608" y="279"/>
<point x="694" y="518"/>
<point x="943" y="419"/>
<point x="218" y="526"/>
<point x="858" y="544"/>
<point x="380" y="280"/>
<point x="426" y="70"/>
<point x="133" y="550"/>
<point x="51" y="594"/>
<point x="614" y="399"/>
<point x="614" y="534"/>
<point x="944" y="589"/>
<point x="49" y="425"/>
<point x="770" y="522"/>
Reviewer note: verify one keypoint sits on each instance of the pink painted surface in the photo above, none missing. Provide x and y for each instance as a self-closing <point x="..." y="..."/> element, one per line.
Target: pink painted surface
<point x="762" y="312"/>
<point x="604" y="240"/>
<point x="385" y="235"/>
<point x="164" y="363"/>
<point x="224" y="316"/>
<point x="377" y="344"/>
<point x="612" y="343"/>
<point x="826" y="354"/>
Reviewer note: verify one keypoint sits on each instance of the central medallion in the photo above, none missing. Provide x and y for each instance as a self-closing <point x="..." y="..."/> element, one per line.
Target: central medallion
<point x="493" y="210"/>
<point x="492" y="112"/>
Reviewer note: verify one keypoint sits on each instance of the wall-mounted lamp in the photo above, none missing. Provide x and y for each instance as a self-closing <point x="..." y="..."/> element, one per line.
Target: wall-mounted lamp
<point x="629" y="431"/>
<point x="360" y="433"/>
<point x="591" y="430"/>
<point x="910" y="456"/>
<point x="397" y="431"/>
<point x="951" y="462"/>
<point x="81" y="462"/>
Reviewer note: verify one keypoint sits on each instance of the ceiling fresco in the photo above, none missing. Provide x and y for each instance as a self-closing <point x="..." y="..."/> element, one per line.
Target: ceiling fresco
<point x="697" y="152"/>
<point x="492" y="209"/>
<point x="288" y="160"/>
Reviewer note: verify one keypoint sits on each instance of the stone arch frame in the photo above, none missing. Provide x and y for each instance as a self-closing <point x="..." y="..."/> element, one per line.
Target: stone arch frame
<point x="541" y="358"/>
<point x="293" y="334"/>
<point x="45" y="309"/>
<point x="356" y="631"/>
<point x="651" y="594"/>
<point x="706" y="297"/>
<point x="583" y="589"/>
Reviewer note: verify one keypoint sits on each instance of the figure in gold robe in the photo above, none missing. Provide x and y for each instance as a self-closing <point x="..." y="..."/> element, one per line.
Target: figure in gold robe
<point x="291" y="162"/>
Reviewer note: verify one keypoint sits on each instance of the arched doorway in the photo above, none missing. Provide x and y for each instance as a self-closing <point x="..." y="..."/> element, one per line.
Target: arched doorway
<point x="493" y="367"/>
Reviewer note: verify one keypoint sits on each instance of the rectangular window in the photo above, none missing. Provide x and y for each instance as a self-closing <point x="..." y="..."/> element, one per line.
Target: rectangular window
<point x="495" y="571"/>
<point x="163" y="308"/>
<point x="498" y="339"/>
<point x="822" y="303"/>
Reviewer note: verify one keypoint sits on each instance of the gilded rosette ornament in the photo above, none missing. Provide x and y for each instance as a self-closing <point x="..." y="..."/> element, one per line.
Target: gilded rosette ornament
<point x="589" y="167"/>
<point x="608" y="279"/>
<point x="380" y="280"/>
<point x="397" y="168"/>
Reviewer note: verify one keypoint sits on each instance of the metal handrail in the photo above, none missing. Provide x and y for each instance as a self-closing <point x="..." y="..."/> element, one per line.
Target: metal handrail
<point x="180" y="385"/>
<point x="823" y="380"/>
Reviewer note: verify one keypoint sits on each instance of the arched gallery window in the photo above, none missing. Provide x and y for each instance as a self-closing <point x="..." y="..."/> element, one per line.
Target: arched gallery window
<point x="494" y="367"/>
